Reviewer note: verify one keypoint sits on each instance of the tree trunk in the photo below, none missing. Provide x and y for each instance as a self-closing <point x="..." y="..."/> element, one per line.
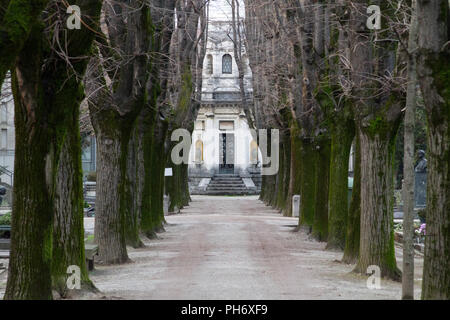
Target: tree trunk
<point x="433" y="73"/>
<point x="320" y="226"/>
<point x="112" y="145"/>
<point x="52" y="96"/>
<point x="408" y="166"/>
<point x="173" y="188"/>
<point x="68" y="229"/>
<point x="177" y="187"/>
<point x="286" y="173"/>
<point x="308" y="184"/>
<point x="133" y="191"/>
<point x="351" y="251"/>
<point x="436" y="273"/>
<point x="135" y="33"/>
<point x="186" y="195"/>
<point x="294" y="170"/>
<point x="147" y="123"/>
<point x="283" y="175"/>
<point x="342" y="138"/>
<point x="377" y="232"/>
<point x="29" y="274"/>
<point x="377" y="108"/>
<point x="158" y="162"/>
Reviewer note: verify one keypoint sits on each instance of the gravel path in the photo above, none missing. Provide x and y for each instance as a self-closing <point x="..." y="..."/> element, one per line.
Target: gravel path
<point x="237" y="248"/>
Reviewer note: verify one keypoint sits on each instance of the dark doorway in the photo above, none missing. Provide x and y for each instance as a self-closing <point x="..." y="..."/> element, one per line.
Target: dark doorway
<point x="226" y="148"/>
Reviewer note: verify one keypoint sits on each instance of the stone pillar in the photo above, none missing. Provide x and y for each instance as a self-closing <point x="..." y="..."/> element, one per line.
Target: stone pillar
<point x="296" y="205"/>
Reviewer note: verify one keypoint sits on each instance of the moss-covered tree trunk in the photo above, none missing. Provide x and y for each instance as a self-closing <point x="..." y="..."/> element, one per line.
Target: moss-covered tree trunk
<point x="308" y="183"/>
<point x="377" y="225"/>
<point x="113" y="134"/>
<point x="112" y="149"/>
<point x="173" y="188"/>
<point x="341" y="143"/>
<point x="434" y="74"/>
<point x="154" y="219"/>
<point x="286" y="158"/>
<point x="185" y="194"/>
<point x="295" y="168"/>
<point x="29" y="274"/>
<point x="51" y="95"/>
<point x="351" y="250"/>
<point x="269" y="183"/>
<point x="177" y="186"/>
<point x="320" y="224"/>
<point x="262" y="194"/>
<point x="68" y="229"/>
<point x="132" y="33"/>
<point x="133" y="190"/>
<point x="156" y="105"/>
<point x="279" y="198"/>
<point x="377" y="120"/>
<point x="147" y="122"/>
<point x="408" y="162"/>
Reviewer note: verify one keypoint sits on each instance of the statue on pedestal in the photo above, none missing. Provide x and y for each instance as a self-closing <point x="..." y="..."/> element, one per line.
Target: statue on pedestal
<point x="421" y="165"/>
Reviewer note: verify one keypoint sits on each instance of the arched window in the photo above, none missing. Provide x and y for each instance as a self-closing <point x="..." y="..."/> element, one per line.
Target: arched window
<point x="210" y="68"/>
<point x="227" y="64"/>
<point x="199" y="151"/>
<point x="253" y="152"/>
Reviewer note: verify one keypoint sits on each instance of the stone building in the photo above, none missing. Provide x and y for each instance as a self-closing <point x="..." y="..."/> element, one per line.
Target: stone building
<point x="7" y="135"/>
<point x="223" y="150"/>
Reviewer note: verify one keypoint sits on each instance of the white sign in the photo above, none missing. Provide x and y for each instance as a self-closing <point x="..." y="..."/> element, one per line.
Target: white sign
<point x="296" y="205"/>
<point x="168" y="172"/>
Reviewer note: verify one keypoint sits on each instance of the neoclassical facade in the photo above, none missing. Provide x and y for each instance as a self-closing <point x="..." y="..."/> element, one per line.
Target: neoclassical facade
<point x="222" y="143"/>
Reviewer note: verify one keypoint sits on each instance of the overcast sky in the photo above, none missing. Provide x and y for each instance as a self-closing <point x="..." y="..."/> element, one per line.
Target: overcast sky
<point x="221" y="9"/>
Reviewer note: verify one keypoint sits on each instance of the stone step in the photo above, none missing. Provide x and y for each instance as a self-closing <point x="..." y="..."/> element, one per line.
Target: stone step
<point x="231" y="193"/>
<point x="227" y="180"/>
<point x="227" y="184"/>
<point x="226" y="188"/>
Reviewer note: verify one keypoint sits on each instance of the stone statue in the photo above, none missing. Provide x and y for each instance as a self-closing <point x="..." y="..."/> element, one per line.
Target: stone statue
<point x="421" y="165"/>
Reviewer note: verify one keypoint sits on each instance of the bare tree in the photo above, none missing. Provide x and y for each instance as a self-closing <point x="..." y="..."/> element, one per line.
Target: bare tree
<point x="408" y="185"/>
<point x="117" y="87"/>
<point x="433" y="74"/>
<point x="188" y="52"/>
<point x="47" y="221"/>
<point x="377" y="109"/>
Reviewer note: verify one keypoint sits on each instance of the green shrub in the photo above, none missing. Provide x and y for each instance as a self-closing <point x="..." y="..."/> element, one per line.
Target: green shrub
<point x="5" y="219"/>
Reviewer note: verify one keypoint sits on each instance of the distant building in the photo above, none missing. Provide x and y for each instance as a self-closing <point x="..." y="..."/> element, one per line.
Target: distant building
<point x="7" y="135"/>
<point x="88" y="155"/>
<point x="222" y="143"/>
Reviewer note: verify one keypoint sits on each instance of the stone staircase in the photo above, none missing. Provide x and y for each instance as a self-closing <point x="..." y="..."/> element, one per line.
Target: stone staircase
<point x="228" y="184"/>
